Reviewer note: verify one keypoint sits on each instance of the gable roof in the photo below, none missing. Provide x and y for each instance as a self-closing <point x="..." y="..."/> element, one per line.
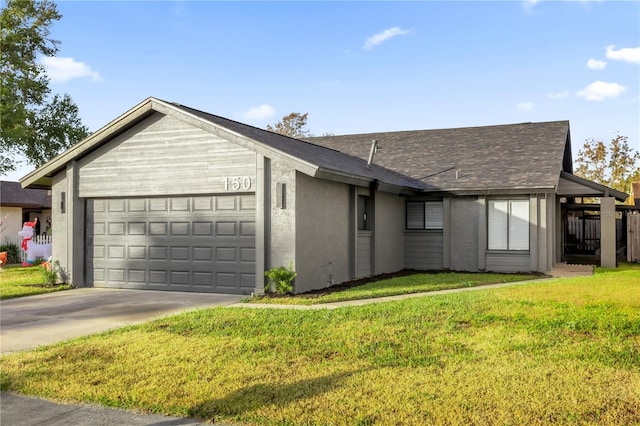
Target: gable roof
<point x="513" y="158"/>
<point x="309" y="158"/>
<point x="473" y="159"/>
<point x="13" y="195"/>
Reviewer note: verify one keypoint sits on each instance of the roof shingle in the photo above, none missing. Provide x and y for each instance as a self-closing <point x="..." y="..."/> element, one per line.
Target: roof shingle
<point x="513" y="156"/>
<point x="12" y="195"/>
<point x="321" y="156"/>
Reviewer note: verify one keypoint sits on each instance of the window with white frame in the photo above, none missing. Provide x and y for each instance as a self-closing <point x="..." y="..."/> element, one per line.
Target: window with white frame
<point x="424" y="215"/>
<point x="508" y="225"/>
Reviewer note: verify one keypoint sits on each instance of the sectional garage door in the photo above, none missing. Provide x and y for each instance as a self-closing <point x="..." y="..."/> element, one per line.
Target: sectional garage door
<point x="201" y="244"/>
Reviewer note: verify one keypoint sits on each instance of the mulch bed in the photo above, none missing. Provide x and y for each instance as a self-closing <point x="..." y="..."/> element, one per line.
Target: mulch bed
<point x="313" y="294"/>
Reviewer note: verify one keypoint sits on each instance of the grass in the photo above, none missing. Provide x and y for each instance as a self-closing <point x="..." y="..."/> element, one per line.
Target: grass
<point x="415" y="283"/>
<point x="563" y="351"/>
<point x="18" y="281"/>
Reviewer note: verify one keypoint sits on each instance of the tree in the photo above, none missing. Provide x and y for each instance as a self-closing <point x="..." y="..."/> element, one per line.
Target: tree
<point x="615" y="166"/>
<point x="292" y="125"/>
<point x="32" y="123"/>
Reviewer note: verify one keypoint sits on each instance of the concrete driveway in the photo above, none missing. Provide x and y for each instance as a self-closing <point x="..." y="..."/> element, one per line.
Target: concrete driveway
<point x="28" y="322"/>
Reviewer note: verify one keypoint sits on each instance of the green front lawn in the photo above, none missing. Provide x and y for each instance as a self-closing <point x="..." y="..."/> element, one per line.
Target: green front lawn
<point x="18" y="281"/>
<point x="563" y="351"/>
<point x="416" y="283"/>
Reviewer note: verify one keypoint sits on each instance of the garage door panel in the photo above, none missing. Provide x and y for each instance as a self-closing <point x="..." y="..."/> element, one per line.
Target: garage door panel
<point x="203" y="254"/>
<point x="117" y="205"/>
<point x="136" y="228"/>
<point x="137" y="205"/>
<point x="247" y="255"/>
<point x="137" y="252"/>
<point x="136" y="276"/>
<point x="203" y="229"/>
<point x="181" y="243"/>
<point x="158" y="277"/>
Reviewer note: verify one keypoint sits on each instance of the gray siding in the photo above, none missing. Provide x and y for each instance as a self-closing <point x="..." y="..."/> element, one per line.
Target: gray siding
<point x="423" y="250"/>
<point x="164" y="156"/>
<point x="508" y="262"/>
<point x="322" y="232"/>
<point x="389" y="233"/>
<point x="363" y="254"/>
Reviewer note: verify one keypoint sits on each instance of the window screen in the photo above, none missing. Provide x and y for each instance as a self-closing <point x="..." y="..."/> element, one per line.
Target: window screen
<point x="415" y="215"/>
<point x="508" y="225"/>
<point x="425" y="215"/>
<point x="433" y="215"/>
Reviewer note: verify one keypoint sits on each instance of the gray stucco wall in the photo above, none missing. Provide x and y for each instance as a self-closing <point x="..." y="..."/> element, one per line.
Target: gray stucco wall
<point x="59" y="228"/>
<point x="389" y="233"/>
<point x="68" y="226"/>
<point x="463" y="233"/>
<point x="322" y="232"/>
<point x="281" y="229"/>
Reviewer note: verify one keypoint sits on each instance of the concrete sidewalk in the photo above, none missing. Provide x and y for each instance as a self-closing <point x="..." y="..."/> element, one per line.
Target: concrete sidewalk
<point x="19" y="410"/>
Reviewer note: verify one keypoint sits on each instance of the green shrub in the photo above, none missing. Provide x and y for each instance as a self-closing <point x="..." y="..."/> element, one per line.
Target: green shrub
<point x="13" y="252"/>
<point x="282" y="277"/>
<point x="50" y="272"/>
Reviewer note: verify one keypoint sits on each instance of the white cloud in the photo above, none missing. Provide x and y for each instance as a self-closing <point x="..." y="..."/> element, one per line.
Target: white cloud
<point x="376" y="39"/>
<point x="61" y="70"/>
<point x="594" y="64"/>
<point x="627" y="54"/>
<point x="598" y="90"/>
<point x="525" y="106"/>
<point x="260" y="112"/>
<point x="558" y="95"/>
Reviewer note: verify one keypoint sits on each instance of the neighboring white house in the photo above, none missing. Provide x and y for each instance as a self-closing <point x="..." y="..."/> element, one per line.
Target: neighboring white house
<point x="168" y="197"/>
<point x="18" y="205"/>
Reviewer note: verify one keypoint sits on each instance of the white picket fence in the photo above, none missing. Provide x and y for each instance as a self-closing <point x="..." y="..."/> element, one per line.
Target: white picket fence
<point x="40" y="239"/>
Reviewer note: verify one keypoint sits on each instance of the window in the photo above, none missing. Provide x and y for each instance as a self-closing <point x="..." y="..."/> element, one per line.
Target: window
<point x="425" y="215"/>
<point x="363" y="211"/>
<point x="508" y="225"/>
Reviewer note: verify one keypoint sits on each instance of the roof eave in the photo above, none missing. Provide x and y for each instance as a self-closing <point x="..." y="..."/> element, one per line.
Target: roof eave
<point x="491" y="191"/>
<point x="604" y="190"/>
<point x="350" y="179"/>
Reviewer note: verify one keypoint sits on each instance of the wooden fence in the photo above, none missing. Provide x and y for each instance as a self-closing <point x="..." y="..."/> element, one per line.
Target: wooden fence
<point x="633" y="238"/>
<point x="585" y="233"/>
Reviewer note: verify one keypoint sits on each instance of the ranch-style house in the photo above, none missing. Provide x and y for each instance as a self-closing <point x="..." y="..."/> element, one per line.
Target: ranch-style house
<point x="167" y="197"/>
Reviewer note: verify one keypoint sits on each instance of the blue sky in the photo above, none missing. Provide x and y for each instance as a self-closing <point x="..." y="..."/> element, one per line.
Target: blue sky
<point x="358" y="67"/>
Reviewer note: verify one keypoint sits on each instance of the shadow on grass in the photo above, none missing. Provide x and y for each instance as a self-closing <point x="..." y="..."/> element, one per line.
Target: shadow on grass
<point x="251" y="398"/>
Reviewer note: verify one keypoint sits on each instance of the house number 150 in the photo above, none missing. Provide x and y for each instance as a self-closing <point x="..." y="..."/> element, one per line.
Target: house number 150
<point x="237" y="183"/>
